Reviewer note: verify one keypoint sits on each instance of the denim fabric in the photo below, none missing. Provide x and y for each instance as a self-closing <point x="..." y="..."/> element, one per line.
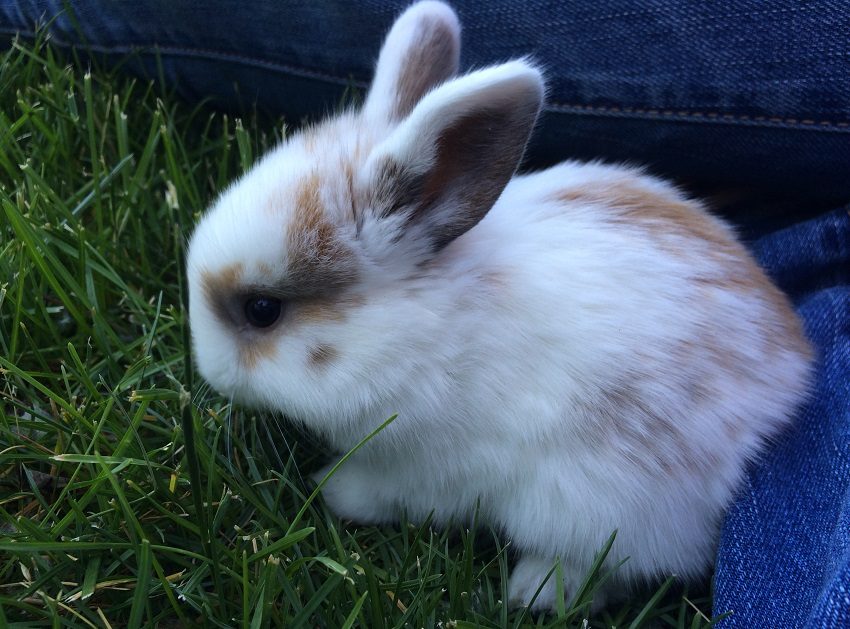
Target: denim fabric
<point x="741" y="93"/>
<point x="751" y="95"/>
<point x="784" y="556"/>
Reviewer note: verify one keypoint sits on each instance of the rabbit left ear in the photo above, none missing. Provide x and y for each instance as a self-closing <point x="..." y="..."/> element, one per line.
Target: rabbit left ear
<point x="444" y="166"/>
<point x="421" y="51"/>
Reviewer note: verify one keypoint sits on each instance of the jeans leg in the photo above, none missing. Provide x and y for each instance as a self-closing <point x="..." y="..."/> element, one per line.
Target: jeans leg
<point x="744" y="94"/>
<point x="784" y="556"/>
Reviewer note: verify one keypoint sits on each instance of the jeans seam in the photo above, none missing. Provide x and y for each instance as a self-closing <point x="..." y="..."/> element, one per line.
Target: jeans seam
<point x="702" y="116"/>
<point x="552" y="106"/>
<point x="147" y="49"/>
<point x="601" y="17"/>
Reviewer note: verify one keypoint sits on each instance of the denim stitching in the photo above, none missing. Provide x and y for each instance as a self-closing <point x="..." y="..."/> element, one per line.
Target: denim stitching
<point x="637" y="112"/>
<point x="147" y="49"/>
<point x="555" y="107"/>
<point x="815" y="54"/>
<point x="651" y="11"/>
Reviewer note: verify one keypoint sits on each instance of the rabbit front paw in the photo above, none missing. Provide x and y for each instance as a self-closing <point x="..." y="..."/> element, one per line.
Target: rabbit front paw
<point x="527" y="577"/>
<point x="354" y="493"/>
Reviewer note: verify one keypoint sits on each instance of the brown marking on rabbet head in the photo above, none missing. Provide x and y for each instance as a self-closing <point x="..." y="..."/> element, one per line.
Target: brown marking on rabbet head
<point x="309" y="210"/>
<point x="265" y="269"/>
<point x="348" y="174"/>
<point x="322" y="355"/>
<point x="320" y="310"/>
<point x="219" y="287"/>
<point x="252" y="350"/>
<point x="221" y="290"/>
<point x="320" y="264"/>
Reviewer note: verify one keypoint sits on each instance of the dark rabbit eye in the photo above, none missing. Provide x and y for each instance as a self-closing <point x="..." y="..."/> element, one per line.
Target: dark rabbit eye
<point x="262" y="311"/>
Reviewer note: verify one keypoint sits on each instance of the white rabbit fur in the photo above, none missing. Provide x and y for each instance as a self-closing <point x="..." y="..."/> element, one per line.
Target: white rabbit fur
<point x="595" y="352"/>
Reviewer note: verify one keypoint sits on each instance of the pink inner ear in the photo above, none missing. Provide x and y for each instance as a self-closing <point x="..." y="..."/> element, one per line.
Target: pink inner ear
<point x="431" y="59"/>
<point x="475" y="156"/>
<point x="421" y="51"/>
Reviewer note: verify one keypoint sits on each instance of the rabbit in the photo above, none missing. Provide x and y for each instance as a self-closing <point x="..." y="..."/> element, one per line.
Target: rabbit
<point x="568" y="352"/>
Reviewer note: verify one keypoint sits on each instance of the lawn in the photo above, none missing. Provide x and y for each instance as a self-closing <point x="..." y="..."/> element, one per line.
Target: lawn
<point x="130" y="493"/>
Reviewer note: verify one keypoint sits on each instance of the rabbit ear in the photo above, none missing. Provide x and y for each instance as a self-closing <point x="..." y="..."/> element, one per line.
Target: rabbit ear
<point x="421" y="51"/>
<point x="443" y="168"/>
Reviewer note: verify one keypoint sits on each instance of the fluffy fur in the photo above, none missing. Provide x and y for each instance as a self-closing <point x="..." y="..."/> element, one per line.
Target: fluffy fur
<point x="577" y="350"/>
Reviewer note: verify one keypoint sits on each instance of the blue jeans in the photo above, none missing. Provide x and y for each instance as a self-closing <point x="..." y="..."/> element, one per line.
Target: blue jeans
<point x="748" y="103"/>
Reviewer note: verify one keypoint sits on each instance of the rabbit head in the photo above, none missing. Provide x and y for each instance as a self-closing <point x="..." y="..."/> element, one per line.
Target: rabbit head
<point x="300" y="273"/>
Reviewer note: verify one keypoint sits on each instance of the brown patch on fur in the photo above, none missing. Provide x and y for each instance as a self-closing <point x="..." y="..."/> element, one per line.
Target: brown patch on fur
<point x="252" y="351"/>
<point x="427" y="63"/>
<point x="650" y="440"/>
<point x="218" y="288"/>
<point x="647" y="437"/>
<point x="620" y="416"/>
<point x="324" y="310"/>
<point x="310" y="223"/>
<point x="660" y="215"/>
<point x="782" y="328"/>
<point x="788" y="330"/>
<point x="677" y="226"/>
<point x="221" y="290"/>
<point x="495" y="281"/>
<point x="319" y="263"/>
<point x="699" y="359"/>
<point x="348" y="173"/>
<point x="321" y="355"/>
<point x="265" y="269"/>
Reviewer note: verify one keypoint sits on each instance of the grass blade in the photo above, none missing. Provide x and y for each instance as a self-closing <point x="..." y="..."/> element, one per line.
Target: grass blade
<point x="140" y="594"/>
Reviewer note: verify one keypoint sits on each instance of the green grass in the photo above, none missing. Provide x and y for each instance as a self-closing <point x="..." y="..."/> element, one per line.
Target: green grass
<point x="130" y="497"/>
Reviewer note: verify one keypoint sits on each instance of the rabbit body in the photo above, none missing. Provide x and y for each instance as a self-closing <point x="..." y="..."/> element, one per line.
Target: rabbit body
<point x="572" y="374"/>
<point x="569" y="352"/>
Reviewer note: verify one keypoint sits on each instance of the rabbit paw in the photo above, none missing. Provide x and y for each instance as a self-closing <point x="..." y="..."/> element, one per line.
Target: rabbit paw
<point x="527" y="577"/>
<point x="352" y="493"/>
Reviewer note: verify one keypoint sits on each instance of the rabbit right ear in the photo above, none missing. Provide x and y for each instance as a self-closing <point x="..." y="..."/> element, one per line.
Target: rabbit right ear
<point x="421" y="51"/>
<point x="444" y="166"/>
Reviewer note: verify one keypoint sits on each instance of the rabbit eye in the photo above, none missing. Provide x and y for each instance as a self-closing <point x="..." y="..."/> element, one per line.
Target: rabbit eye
<point x="262" y="311"/>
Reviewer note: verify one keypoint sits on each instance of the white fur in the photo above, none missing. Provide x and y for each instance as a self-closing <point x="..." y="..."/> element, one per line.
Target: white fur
<point x="499" y="356"/>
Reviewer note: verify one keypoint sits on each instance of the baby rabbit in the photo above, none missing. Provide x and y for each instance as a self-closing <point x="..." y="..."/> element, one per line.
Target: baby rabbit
<point x="575" y="351"/>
